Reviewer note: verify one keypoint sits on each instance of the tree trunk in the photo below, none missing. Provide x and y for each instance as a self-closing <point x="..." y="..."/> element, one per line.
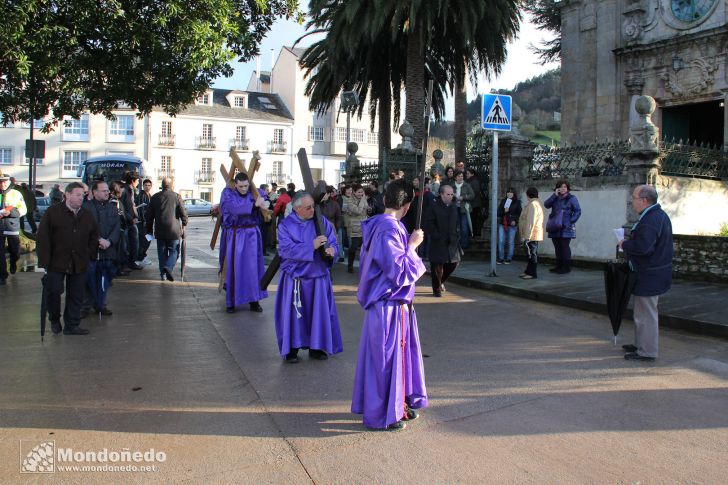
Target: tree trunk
<point x="461" y="120"/>
<point x="384" y="112"/>
<point x="415" y="83"/>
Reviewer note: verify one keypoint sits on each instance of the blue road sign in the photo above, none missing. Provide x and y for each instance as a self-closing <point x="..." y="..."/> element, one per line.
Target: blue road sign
<point x="496" y="112"/>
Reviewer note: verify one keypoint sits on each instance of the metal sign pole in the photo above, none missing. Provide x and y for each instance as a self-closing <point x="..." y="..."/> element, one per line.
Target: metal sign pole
<point x="494" y="205"/>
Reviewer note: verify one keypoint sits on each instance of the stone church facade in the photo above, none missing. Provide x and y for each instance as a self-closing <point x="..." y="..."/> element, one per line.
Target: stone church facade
<point x="613" y="51"/>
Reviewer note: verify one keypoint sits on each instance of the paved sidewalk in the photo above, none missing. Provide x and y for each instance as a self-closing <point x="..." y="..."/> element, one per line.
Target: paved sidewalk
<point x="689" y="305"/>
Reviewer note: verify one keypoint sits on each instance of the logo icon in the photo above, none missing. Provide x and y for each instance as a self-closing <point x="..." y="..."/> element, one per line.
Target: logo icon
<point x="39" y="458"/>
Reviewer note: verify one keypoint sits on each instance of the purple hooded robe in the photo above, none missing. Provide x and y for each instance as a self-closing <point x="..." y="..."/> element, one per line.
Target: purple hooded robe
<point x="389" y="370"/>
<point x="241" y="248"/>
<point x="305" y="312"/>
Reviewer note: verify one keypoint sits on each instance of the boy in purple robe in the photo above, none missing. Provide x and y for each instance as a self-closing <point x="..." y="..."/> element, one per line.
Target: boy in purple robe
<point x="390" y="379"/>
<point x="305" y="312"/>
<point x="241" y="246"/>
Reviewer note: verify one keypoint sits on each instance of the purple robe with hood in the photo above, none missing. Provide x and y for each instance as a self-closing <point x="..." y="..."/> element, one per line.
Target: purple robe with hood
<point x="241" y="248"/>
<point x="305" y="312"/>
<point x="389" y="370"/>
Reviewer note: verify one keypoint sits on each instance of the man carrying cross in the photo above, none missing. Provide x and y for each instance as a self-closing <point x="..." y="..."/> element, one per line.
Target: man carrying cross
<point x="305" y="313"/>
<point x="241" y="248"/>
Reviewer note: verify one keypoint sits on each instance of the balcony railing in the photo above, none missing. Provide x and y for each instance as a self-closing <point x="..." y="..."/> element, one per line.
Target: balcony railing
<point x="164" y="173"/>
<point x="239" y="144"/>
<point x="166" y="140"/>
<point x="274" y="147"/>
<point x="205" y="176"/>
<point x="206" y="142"/>
<point x="278" y="178"/>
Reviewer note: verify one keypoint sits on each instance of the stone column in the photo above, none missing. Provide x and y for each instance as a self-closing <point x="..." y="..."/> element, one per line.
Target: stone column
<point x="642" y="160"/>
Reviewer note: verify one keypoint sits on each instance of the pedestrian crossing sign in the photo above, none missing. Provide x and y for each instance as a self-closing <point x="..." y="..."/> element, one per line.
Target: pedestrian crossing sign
<point x="496" y="112"/>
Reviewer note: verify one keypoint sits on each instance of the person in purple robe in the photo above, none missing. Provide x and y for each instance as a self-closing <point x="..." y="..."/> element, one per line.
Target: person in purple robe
<point x="305" y="311"/>
<point x="390" y="380"/>
<point x="241" y="246"/>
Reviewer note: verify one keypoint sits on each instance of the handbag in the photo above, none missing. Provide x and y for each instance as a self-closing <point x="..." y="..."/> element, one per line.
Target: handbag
<point x="555" y="221"/>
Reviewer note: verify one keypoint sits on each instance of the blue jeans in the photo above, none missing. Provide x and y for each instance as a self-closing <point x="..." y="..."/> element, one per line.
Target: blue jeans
<point x="511" y="233"/>
<point x="167" y="250"/>
<point x="464" y="230"/>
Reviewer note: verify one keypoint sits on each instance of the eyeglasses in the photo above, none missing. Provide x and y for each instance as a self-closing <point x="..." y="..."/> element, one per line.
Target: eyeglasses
<point x="306" y="207"/>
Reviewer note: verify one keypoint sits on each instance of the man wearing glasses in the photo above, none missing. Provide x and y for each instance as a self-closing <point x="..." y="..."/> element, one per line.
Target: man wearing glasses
<point x="649" y="250"/>
<point x="305" y="312"/>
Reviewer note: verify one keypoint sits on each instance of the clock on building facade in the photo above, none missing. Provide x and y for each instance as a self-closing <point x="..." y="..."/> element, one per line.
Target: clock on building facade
<point x="691" y="11"/>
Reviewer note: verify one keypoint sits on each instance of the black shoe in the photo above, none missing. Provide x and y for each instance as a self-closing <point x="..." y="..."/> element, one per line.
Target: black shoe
<point x="56" y="327"/>
<point x="636" y="356"/>
<point x="13" y="266"/>
<point x="168" y="274"/>
<point x="629" y="348"/>
<point x="162" y="277"/>
<point x="317" y="354"/>
<point x="255" y="307"/>
<point x="292" y="356"/>
<point x="437" y="293"/>
<point x="135" y="266"/>
<point x="349" y="270"/>
<point x="507" y="261"/>
<point x="105" y="312"/>
<point x="410" y="415"/>
<point x="230" y="309"/>
<point x="75" y="331"/>
<point x="563" y="270"/>
<point x="399" y="425"/>
<point x="555" y="269"/>
<point x="123" y="272"/>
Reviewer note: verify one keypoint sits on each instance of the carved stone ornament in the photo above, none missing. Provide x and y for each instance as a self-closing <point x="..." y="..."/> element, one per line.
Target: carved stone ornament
<point x="406" y="131"/>
<point x="643" y="132"/>
<point x="696" y="77"/>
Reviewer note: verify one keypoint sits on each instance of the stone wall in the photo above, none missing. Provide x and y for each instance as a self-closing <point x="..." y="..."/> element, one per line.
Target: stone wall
<point x="701" y="257"/>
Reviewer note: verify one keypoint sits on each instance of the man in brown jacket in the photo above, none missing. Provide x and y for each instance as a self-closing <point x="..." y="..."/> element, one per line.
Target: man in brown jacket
<point x="67" y="239"/>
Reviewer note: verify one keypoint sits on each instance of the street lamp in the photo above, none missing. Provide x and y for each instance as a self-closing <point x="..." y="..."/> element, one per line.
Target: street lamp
<point x="349" y="103"/>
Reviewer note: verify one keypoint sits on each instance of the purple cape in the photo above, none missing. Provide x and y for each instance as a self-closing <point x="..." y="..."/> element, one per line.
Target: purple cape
<point x="305" y="312"/>
<point x="389" y="369"/>
<point x="241" y="247"/>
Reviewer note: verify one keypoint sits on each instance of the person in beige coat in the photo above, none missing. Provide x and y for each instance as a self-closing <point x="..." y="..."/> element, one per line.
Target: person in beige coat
<point x="530" y="227"/>
<point x="355" y="210"/>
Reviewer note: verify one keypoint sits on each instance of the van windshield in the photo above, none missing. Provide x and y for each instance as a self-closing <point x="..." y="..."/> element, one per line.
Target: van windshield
<point x="108" y="170"/>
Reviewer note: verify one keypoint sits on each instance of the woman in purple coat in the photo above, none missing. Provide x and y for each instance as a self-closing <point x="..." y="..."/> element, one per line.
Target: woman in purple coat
<point x="390" y="378"/>
<point x="241" y="248"/>
<point x="561" y="224"/>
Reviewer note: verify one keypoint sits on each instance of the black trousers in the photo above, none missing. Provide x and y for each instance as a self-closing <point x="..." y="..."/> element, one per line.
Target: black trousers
<point x="31" y="223"/>
<point x="13" y="243"/>
<point x="532" y="251"/>
<point x="440" y="272"/>
<point x="354" y="245"/>
<point x="562" y="251"/>
<point x="75" y="285"/>
<point x="143" y="243"/>
<point x="133" y="240"/>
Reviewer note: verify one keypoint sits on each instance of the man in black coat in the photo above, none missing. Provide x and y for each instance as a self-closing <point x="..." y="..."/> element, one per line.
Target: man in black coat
<point x="109" y="225"/>
<point x="128" y="200"/>
<point x="442" y="226"/>
<point x="166" y="210"/>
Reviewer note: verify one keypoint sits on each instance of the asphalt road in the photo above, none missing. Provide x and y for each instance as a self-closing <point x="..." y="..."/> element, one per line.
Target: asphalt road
<point x="520" y="392"/>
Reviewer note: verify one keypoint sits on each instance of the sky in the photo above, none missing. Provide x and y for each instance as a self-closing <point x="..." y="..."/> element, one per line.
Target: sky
<point x="520" y="65"/>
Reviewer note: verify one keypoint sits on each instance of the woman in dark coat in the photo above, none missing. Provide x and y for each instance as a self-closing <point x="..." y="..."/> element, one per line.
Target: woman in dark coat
<point x="561" y="224"/>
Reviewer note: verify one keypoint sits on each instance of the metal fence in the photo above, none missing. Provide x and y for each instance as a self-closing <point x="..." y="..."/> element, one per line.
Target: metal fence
<point x="597" y="159"/>
<point x="693" y="160"/>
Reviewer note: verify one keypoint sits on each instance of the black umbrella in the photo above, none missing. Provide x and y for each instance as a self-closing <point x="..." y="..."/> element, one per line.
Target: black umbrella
<point x="43" y="307"/>
<point x="183" y="255"/>
<point x="618" y="284"/>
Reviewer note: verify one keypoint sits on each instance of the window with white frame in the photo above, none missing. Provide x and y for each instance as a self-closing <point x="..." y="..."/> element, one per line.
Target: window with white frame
<point x="278" y="136"/>
<point x="239" y="133"/>
<point x="277" y="169"/>
<point x="203" y="99"/>
<point x="121" y="130"/>
<point x="207" y="132"/>
<point x="37" y="124"/>
<point x="206" y="165"/>
<point x="165" y="164"/>
<point x="373" y="138"/>
<point x="6" y="156"/>
<point x="358" y="135"/>
<point x="166" y="128"/>
<point x="340" y="134"/>
<point x="71" y="161"/>
<point x="315" y="133"/>
<point x="239" y="101"/>
<point x="75" y="129"/>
